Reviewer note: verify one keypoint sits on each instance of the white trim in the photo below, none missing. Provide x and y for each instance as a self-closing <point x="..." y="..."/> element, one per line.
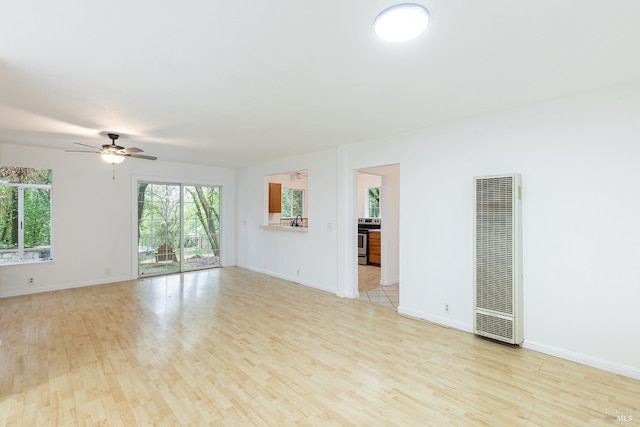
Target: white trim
<point x="288" y="278"/>
<point x="583" y="359"/>
<point x="440" y="320"/>
<point x="81" y="284"/>
<point x="17" y="184"/>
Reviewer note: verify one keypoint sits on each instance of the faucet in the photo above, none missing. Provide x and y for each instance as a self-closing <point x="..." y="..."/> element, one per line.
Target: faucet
<point x="295" y="222"/>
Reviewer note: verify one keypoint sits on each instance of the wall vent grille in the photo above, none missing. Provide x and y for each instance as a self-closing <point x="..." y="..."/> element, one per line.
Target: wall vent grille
<point x="498" y="258"/>
<point x="494" y="327"/>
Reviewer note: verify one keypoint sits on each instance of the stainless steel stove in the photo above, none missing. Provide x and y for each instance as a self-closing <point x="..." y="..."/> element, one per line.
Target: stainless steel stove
<point x="364" y="225"/>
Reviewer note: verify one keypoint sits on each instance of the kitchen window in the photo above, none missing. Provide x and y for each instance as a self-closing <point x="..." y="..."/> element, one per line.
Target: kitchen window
<point x="25" y="215"/>
<point x="372" y="202"/>
<point x="292" y="202"/>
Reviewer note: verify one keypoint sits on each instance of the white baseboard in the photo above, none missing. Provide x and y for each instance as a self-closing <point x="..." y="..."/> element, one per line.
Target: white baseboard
<point x="348" y="295"/>
<point x="605" y="365"/>
<point x="441" y="320"/>
<point x="583" y="359"/>
<point x="390" y="282"/>
<point x="288" y="278"/>
<point x="51" y="288"/>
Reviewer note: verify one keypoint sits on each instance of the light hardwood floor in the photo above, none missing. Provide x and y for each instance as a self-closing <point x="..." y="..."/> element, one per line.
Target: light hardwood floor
<point x="233" y="347"/>
<point x="368" y="277"/>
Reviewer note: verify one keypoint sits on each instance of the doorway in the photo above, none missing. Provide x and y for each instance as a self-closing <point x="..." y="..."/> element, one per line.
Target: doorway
<point x="377" y="200"/>
<point x="178" y="227"/>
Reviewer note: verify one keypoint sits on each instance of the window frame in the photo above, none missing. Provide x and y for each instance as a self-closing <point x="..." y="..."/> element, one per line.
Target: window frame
<point x="21" y="218"/>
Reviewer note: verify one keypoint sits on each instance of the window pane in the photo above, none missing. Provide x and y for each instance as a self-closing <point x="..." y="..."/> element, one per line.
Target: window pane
<point x="297" y="202"/>
<point x="158" y="228"/>
<point x="20" y="175"/>
<point x="373" y="204"/>
<point x="201" y="227"/>
<point x="37" y="223"/>
<point x="287" y="203"/>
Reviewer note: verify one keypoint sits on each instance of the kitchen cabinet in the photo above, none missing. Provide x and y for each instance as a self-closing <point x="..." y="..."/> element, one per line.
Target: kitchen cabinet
<point x="374" y="248"/>
<point x="275" y="197"/>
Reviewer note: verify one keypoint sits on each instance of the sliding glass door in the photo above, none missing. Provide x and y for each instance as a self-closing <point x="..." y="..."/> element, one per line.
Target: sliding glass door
<point x="178" y="227"/>
<point x="201" y="227"/>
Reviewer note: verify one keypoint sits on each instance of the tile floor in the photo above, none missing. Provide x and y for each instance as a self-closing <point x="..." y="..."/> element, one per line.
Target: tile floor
<point x="383" y="295"/>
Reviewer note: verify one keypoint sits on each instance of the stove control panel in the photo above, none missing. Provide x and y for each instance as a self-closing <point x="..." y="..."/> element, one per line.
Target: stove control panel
<point x="369" y="221"/>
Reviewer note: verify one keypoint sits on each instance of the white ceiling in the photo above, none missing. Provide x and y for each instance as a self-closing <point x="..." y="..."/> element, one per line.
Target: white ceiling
<point x="235" y="82"/>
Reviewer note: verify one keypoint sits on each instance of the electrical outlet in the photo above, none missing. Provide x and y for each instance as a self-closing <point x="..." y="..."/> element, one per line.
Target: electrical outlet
<point x="31" y="280"/>
<point x="446" y="308"/>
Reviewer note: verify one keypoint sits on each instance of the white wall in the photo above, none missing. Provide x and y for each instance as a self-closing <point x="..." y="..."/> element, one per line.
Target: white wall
<point x="93" y="217"/>
<point x="305" y="257"/>
<point x="579" y="161"/>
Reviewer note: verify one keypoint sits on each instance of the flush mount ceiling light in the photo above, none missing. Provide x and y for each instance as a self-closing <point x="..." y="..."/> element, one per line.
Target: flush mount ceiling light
<point x="401" y="22"/>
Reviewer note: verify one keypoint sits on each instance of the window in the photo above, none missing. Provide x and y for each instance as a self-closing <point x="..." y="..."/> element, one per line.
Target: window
<point x="25" y="215"/>
<point x="292" y="202"/>
<point x="372" y="202"/>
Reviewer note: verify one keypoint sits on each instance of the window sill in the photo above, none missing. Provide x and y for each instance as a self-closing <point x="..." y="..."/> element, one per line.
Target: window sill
<point x="285" y="228"/>
<point x="28" y="262"/>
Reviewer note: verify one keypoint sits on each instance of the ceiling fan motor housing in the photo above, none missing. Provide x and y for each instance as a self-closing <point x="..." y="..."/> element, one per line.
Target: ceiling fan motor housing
<point x="112" y="146"/>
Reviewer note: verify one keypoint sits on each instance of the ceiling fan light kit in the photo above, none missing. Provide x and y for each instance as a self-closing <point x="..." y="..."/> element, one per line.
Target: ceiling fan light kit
<point x="114" y="159"/>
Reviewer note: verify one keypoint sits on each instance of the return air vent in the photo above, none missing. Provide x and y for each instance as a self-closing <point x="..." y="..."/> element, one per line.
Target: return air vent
<point x="494" y="326"/>
<point x="498" y="258"/>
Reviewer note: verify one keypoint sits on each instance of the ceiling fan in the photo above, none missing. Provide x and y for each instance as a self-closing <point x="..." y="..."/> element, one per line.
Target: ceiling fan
<point x="113" y="153"/>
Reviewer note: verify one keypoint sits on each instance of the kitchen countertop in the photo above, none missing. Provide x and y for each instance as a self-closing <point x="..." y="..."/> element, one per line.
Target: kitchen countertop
<point x="286" y="228"/>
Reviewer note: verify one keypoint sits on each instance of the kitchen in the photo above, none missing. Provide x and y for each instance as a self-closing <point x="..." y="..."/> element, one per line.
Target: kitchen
<point x="378" y="230"/>
<point x="376" y="217"/>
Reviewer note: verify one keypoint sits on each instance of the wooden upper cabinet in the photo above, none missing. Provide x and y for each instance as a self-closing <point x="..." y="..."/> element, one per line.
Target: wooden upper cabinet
<point x="275" y="197"/>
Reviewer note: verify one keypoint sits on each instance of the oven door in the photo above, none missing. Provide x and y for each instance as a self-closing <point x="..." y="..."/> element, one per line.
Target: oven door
<point x="362" y="247"/>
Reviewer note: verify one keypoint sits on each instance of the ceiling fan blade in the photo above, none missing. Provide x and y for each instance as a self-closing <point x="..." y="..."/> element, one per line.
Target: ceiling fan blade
<point x="142" y="156"/>
<point x="82" y="151"/>
<point x="90" y="146"/>
<point x="132" y="150"/>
